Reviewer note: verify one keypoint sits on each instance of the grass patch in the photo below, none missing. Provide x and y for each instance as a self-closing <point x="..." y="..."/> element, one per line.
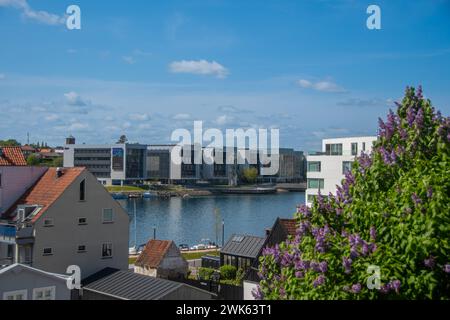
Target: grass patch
<point x="132" y="260"/>
<point x="124" y="188"/>
<point x="198" y="255"/>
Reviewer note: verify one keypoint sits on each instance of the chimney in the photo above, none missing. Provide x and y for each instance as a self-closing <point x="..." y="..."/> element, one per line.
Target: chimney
<point x="59" y="172"/>
<point x="268" y="231"/>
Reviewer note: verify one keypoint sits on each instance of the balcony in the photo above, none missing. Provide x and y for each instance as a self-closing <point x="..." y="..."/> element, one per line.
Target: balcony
<point x="25" y="235"/>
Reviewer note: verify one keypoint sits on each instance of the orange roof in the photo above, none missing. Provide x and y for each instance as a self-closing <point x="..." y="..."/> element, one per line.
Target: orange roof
<point x="48" y="189"/>
<point x="153" y="253"/>
<point x="12" y="156"/>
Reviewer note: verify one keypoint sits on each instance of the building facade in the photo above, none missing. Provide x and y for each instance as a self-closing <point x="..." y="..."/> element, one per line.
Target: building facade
<point x="65" y="218"/>
<point x="327" y="168"/>
<point x="115" y="164"/>
<point x="21" y="282"/>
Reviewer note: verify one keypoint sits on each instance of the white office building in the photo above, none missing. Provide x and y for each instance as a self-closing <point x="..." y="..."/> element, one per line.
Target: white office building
<point x="327" y="168"/>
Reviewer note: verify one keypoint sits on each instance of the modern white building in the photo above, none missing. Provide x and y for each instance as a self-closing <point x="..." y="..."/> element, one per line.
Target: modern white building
<point x="327" y="168"/>
<point x="114" y="164"/>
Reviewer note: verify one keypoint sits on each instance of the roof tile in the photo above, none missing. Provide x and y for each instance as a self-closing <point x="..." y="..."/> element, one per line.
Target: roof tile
<point x="153" y="253"/>
<point x="12" y="156"/>
<point x="48" y="189"/>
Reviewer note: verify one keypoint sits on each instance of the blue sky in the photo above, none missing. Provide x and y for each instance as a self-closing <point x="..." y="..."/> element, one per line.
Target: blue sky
<point x="144" y="68"/>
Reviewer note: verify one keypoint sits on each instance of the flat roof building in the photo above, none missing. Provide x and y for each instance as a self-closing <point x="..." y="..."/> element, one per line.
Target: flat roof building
<point x="327" y="168"/>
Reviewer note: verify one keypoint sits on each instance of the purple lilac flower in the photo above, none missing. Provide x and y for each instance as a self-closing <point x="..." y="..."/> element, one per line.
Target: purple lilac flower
<point x="430" y="262"/>
<point x="410" y="116"/>
<point x="356" y="288"/>
<point x="299" y="274"/>
<point x="447" y="268"/>
<point x="257" y="293"/>
<point x="395" y="285"/>
<point x="416" y="199"/>
<point x="347" y="263"/>
<point x="323" y="266"/>
<point x="373" y="233"/>
<point x="320" y="280"/>
<point x="385" y="288"/>
<point x="419" y="118"/>
<point x="304" y="211"/>
<point x="365" y="249"/>
<point x="315" y="266"/>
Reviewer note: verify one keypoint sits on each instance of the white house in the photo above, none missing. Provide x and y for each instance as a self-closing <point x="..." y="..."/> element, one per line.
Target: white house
<point x="327" y="168"/>
<point x="21" y="282"/>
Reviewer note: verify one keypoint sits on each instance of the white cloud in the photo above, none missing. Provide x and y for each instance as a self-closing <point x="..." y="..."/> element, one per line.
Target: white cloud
<point x="224" y="119"/>
<point x="139" y="117"/>
<point x="52" y="117"/>
<point x="129" y="59"/>
<point x="36" y="15"/>
<point x="202" y="67"/>
<point x="182" y="116"/>
<point x="323" y="86"/>
<point x="74" y="99"/>
<point x="76" y="126"/>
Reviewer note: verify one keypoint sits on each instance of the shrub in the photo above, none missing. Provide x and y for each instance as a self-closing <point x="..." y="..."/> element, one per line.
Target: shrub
<point x="205" y="273"/>
<point x="228" y="272"/>
<point x="392" y="211"/>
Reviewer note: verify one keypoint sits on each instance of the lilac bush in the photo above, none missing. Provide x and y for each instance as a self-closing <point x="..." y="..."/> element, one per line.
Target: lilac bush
<point x="392" y="211"/>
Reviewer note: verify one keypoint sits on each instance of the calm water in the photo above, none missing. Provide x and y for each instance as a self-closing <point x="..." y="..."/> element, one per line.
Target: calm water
<point x="191" y="220"/>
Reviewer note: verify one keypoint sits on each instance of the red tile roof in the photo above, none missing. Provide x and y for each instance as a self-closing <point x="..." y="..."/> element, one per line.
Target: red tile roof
<point x="153" y="253"/>
<point x="12" y="156"/>
<point x="290" y="225"/>
<point x="48" y="189"/>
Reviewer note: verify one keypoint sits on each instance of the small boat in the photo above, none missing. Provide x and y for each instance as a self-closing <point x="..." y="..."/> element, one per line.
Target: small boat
<point x="132" y="251"/>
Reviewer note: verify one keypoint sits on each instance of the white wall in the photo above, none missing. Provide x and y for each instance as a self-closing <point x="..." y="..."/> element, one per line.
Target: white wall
<point x="332" y="166"/>
<point x="15" y="181"/>
<point x="248" y="288"/>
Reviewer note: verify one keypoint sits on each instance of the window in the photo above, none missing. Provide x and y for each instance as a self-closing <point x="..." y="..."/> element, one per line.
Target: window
<point x="47" y="293"/>
<point x="83" y="190"/>
<point x="311" y="197"/>
<point x="48" y="222"/>
<point x="334" y="149"/>
<point x="314" y="166"/>
<point x="108" y="216"/>
<point x="364" y="146"/>
<point x="354" y="149"/>
<point x="16" y="295"/>
<point x="48" y="251"/>
<point x="107" y="250"/>
<point x="316" y="183"/>
<point x="82" y="221"/>
<point x="81" y="248"/>
<point x="346" y="166"/>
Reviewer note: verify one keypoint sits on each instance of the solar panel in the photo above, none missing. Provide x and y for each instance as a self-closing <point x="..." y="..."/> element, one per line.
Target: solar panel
<point x="238" y="238"/>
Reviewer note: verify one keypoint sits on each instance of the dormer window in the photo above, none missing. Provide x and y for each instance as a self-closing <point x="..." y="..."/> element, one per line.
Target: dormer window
<point x="82" y="195"/>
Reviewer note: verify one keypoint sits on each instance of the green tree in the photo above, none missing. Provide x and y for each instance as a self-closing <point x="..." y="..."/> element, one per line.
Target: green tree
<point x="122" y="139"/>
<point x="228" y="272"/>
<point x="249" y="175"/>
<point x="10" y="143"/>
<point x="33" y="160"/>
<point x="58" y="162"/>
<point x="392" y="212"/>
